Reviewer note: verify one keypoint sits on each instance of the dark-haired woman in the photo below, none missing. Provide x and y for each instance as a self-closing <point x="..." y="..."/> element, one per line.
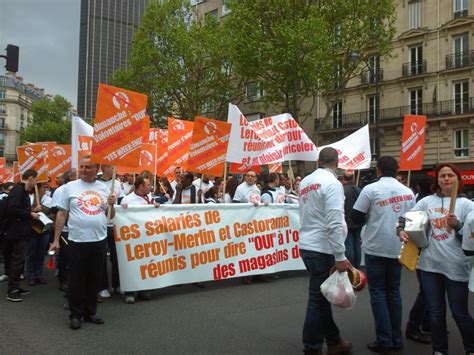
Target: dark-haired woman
<point x="444" y="269"/>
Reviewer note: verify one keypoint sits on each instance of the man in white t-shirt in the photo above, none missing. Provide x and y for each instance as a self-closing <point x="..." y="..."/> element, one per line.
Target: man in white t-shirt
<point x="204" y="186"/>
<point x="383" y="202"/>
<point x="84" y="204"/>
<point x="186" y="192"/>
<point x="322" y="235"/>
<point x="177" y="177"/>
<point x="248" y="191"/>
<point x="127" y="185"/>
<point x="272" y="192"/>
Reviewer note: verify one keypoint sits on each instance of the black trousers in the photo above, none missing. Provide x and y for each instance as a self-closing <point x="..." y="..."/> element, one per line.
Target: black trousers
<point x="113" y="263"/>
<point x="85" y="272"/>
<point x="15" y="253"/>
<point x="63" y="258"/>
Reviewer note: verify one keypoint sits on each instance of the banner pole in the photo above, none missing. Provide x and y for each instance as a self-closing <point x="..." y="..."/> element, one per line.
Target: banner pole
<point x="454" y="192"/>
<point x="112" y="190"/>
<point x="38" y="202"/>
<point x="291" y="175"/>
<point x="408" y="178"/>
<point x="357" y="177"/>
<point x="225" y="180"/>
<point x="154" y="183"/>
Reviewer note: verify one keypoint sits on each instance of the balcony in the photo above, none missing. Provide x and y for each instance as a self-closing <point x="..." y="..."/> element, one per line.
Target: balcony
<point x="460" y="60"/>
<point x="371" y="76"/>
<point x="394" y="115"/>
<point x="414" y="68"/>
<point x="460" y="13"/>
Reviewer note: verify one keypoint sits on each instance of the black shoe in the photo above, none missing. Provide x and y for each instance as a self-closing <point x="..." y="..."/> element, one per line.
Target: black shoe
<point x="14" y="296"/>
<point x="94" y="319"/>
<point x="23" y="291"/>
<point x="419" y="337"/>
<point x="199" y="284"/>
<point x="75" y="323"/>
<point x="377" y="348"/>
<point x="144" y="296"/>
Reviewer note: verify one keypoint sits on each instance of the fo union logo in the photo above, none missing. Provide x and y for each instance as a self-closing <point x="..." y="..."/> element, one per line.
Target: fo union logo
<point x="90" y="202"/>
<point x="120" y="100"/>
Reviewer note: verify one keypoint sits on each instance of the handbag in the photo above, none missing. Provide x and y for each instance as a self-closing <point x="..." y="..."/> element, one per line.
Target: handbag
<point x="417" y="227"/>
<point x="409" y="254"/>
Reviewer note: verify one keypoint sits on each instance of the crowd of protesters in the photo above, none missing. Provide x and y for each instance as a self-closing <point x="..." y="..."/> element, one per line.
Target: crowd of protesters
<point x="341" y="224"/>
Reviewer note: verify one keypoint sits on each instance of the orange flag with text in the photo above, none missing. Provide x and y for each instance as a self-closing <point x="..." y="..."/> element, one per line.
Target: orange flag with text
<point x="59" y="159"/>
<point x="180" y="134"/>
<point x="119" y="126"/>
<point x="413" y="143"/>
<point x="33" y="156"/>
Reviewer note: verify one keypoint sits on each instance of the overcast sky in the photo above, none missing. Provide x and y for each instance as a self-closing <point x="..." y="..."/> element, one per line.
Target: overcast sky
<point x="47" y="32"/>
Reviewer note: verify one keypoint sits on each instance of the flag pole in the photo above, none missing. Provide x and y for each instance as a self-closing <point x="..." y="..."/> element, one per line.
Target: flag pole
<point x="112" y="190"/>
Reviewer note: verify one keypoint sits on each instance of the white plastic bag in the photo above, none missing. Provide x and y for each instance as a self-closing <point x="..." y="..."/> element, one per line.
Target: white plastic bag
<point x="338" y="290"/>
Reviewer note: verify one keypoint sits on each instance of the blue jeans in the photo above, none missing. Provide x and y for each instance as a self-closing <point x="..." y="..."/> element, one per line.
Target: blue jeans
<point x="319" y="324"/>
<point x="419" y="315"/>
<point x="436" y="286"/>
<point x="383" y="277"/>
<point x="35" y="255"/>
<point x="353" y="246"/>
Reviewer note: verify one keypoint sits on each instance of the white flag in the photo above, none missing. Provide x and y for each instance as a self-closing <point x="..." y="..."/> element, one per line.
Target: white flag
<point x="79" y="128"/>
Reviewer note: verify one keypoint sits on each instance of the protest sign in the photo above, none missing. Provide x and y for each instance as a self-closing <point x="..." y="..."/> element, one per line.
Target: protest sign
<point x="16" y="172"/>
<point x="146" y="130"/>
<point x="147" y="160"/>
<point x="33" y="156"/>
<point x="413" y="142"/>
<point x="59" y="160"/>
<point x="268" y="140"/>
<point x="78" y="128"/>
<point x="162" y="152"/>
<point x="119" y="126"/>
<point x="3" y="162"/>
<point x="235" y="168"/>
<point x="180" y="133"/>
<point x="354" y="150"/>
<point x="8" y="175"/>
<point x="208" y="149"/>
<point x="84" y="147"/>
<point x="159" y="247"/>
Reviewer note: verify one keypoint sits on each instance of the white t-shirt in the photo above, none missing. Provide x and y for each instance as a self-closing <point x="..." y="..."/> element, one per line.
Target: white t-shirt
<point x="45" y="200"/>
<point x="444" y="253"/>
<point x="468" y="232"/>
<point x="277" y="196"/>
<point x="186" y="195"/>
<point x="384" y="202"/>
<point x="205" y="186"/>
<point x="247" y="193"/>
<point x="322" y="224"/>
<point x="173" y="184"/>
<point x="227" y="198"/>
<point x="55" y="200"/>
<point x="87" y="206"/>
<point x="117" y="187"/>
<point x="126" y="188"/>
<point x="132" y="199"/>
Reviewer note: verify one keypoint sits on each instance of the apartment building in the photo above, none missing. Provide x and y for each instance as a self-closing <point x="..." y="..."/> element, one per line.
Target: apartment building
<point x="16" y="98"/>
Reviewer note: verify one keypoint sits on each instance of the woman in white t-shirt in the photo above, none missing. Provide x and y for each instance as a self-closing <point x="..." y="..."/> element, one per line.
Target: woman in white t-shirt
<point x="444" y="269"/>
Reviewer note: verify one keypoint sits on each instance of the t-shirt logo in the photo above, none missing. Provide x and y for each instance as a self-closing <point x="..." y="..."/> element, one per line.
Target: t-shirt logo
<point x="90" y="202"/>
<point x="254" y="197"/>
<point x="280" y="198"/>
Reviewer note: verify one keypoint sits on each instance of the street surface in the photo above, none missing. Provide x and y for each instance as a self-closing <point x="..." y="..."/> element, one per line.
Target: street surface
<point x="226" y="317"/>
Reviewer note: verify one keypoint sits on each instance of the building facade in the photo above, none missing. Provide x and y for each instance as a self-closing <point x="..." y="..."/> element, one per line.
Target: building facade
<point x="15" y="102"/>
<point x="106" y="31"/>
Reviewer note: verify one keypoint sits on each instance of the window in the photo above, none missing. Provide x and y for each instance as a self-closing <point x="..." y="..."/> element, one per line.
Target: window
<point x="373" y="148"/>
<point x="373" y="102"/>
<point x="2" y="94"/>
<point x="414" y="14"/>
<point x="196" y="2"/>
<point x="2" y="122"/>
<point x="460" y="8"/>
<point x="225" y="7"/>
<point x="3" y="108"/>
<point x="2" y="154"/>
<point x="416" y="60"/>
<point x="461" y="97"/>
<point x="3" y="81"/>
<point x="416" y="101"/>
<point x="253" y="92"/>
<point x="226" y="68"/>
<point x="212" y="15"/>
<point x="461" y="50"/>
<point x="461" y="143"/>
<point x="2" y="138"/>
<point x="337" y="115"/>
<point x="374" y="66"/>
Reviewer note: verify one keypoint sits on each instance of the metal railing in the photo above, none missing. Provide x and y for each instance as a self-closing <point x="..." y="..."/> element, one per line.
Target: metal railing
<point x="460" y="13"/>
<point x="414" y="68"/>
<point x="395" y="114"/>
<point x="371" y="76"/>
<point x="460" y="60"/>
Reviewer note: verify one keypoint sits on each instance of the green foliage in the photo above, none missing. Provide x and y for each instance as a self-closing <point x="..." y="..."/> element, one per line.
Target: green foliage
<point x="177" y="60"/>
<point x="299" y="49"/>
<point x="49" y="123"/>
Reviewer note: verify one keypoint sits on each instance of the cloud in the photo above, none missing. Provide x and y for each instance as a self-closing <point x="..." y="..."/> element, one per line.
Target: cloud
<point x="47" y="33"/>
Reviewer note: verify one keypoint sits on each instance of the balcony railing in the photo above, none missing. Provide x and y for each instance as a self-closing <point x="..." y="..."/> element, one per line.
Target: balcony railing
<point x="395" y="114"/>
<point x="460" y="13"/>
<point x="460" y="60"/>
<point x="414" y="68"/>
<point x="372" y="76"/>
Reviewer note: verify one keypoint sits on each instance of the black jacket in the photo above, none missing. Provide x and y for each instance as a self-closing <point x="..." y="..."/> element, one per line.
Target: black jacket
<point x="351" y="193"/>
<point x="18" y="214"/>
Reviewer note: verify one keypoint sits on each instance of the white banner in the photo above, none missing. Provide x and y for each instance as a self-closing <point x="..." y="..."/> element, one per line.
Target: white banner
<point x="354" y="150"/>
<point x="79" y="127"/>
<point x="178" y="244"/>
<point x="268" y="140"/>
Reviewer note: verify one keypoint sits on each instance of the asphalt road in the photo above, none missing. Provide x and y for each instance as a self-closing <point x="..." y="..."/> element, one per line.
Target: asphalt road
<point x="226" y="317"/>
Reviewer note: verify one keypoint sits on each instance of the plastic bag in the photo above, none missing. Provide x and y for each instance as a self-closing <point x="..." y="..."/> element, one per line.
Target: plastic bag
<point x="338" y="290"/>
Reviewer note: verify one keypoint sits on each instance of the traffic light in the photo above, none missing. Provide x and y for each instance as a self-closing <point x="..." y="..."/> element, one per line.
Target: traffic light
<point x="12" y="58"/>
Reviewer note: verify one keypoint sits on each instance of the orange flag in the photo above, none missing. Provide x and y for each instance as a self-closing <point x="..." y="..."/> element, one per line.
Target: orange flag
<point x="236" y="168"/>
<point x="161" y="138"/>
<point x="84" y="145"/>
<point x="209" y="146"/>
<point x="119" y="126"/>
<point x="275" y="168"/>
<point x="180" y="134"/>
<point x="147" y="160"/>
<point x="413" y="143"/>
<point x="8" y="176"/>
<point x="59" y="158"/>
<point x="3" y="162"/>
<point x="153" y="135"/>
<point x="16" y="172"/>
<point x="33" y="156"/>
<point x="146" y="130"/>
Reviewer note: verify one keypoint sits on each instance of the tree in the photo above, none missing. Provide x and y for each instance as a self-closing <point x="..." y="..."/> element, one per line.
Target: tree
<point x="180" y="62"/>
<point x="300" y="49"/>
<point x="49" y="122"/>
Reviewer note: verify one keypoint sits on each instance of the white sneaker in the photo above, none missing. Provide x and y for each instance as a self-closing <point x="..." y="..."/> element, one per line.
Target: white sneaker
<point x="104" y="294"/>
<point x="3" y="278"/>
<point x="119" y="291"/>
<point x="129" y="299"/>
